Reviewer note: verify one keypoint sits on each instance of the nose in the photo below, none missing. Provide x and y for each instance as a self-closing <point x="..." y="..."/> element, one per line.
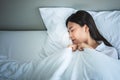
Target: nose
<point x="70" y="35"/>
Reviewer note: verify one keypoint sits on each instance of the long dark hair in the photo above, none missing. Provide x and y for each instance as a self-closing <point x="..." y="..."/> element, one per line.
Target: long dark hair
<point x="82" y="17"/>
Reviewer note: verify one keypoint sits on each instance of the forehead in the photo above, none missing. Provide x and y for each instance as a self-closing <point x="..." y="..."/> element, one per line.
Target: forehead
<point x="72" y="24"/>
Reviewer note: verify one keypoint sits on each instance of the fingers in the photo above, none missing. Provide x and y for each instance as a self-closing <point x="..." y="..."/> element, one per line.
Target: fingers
<point x="79" y="46"/>
<point x="73" y="46"/>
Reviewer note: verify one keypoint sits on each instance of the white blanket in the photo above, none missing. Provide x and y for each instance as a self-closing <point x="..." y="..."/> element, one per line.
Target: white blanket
<point x="64" y="65"/>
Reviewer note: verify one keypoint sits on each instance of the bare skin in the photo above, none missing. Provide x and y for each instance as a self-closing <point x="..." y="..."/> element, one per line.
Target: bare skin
<point x="80" y="37"/>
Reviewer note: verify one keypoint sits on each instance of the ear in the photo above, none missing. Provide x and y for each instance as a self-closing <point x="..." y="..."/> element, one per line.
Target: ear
<point x="86" y="28"/>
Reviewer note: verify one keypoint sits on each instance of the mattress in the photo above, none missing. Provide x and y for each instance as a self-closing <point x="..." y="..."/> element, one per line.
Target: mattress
<point x="21" y="45"/>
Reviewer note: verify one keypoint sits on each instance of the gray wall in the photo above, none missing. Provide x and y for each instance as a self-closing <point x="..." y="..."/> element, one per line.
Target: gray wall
<point x="24" y="14"/>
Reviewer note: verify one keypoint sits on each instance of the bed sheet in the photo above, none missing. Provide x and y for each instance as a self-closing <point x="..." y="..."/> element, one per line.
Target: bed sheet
<point x="21" y="45"/>
<point x="64" y="65"/>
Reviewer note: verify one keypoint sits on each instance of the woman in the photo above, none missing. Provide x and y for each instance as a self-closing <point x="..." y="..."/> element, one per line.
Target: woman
<point x="84" y="34"/>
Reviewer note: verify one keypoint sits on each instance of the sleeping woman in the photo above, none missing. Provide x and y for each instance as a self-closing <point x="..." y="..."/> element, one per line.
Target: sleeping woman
<point x="84" y="34"/>
<point x="88" y="62"/>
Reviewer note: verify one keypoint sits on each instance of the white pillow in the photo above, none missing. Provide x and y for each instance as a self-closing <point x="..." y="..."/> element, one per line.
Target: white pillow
<point x="108" y="23"/>
<point x="54" y="19"/>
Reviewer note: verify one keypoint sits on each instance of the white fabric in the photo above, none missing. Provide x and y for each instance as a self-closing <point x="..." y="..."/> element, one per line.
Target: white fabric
<point x="64" y="65"/>
<point x="110" y="51"/>
<point x="22" y="45"/>
<point x="108" y="23"/>
<point x="57" y="33"/>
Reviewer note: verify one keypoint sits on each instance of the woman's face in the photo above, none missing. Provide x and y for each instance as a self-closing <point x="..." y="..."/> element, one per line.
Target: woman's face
<point x="77" y="33"/>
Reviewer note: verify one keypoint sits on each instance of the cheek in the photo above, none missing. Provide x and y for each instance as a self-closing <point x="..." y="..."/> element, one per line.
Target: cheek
<point x="81" y="37"/>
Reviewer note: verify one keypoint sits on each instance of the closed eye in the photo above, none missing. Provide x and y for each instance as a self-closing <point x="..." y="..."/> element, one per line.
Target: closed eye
<point x="72" y="30"/>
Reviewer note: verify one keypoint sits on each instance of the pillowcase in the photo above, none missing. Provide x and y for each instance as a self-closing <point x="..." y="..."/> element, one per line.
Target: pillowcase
<point x="54" y="20"/>
<point x="108" y="24"/>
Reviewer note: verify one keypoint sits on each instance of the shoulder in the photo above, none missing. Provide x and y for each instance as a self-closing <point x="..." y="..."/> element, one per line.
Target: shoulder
<point x="111" y="51"/>
<point x="108" y="50"/>
<point x="102" y="47"/>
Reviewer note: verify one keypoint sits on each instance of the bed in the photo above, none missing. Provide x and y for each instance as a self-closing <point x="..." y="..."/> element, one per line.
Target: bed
<point x="29" y="41"/>
<point x="19" y="45"/>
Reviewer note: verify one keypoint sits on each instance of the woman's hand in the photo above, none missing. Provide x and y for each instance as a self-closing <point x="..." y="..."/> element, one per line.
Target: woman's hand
<point x="81" y="46"/>
<point x="73" y="46"/>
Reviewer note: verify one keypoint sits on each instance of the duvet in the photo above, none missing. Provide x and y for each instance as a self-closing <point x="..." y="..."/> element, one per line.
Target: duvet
<point x="63" y="65"/>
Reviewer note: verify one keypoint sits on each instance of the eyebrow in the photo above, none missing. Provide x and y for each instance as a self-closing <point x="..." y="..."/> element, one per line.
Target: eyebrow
<point x="69" y="28"/>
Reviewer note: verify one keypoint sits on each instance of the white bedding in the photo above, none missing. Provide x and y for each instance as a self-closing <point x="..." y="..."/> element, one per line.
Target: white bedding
<point x="31" y="48"/>
<point x="108" y="24"/>
<point x="64" y="65"/>
<point x="21" y="45"/>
